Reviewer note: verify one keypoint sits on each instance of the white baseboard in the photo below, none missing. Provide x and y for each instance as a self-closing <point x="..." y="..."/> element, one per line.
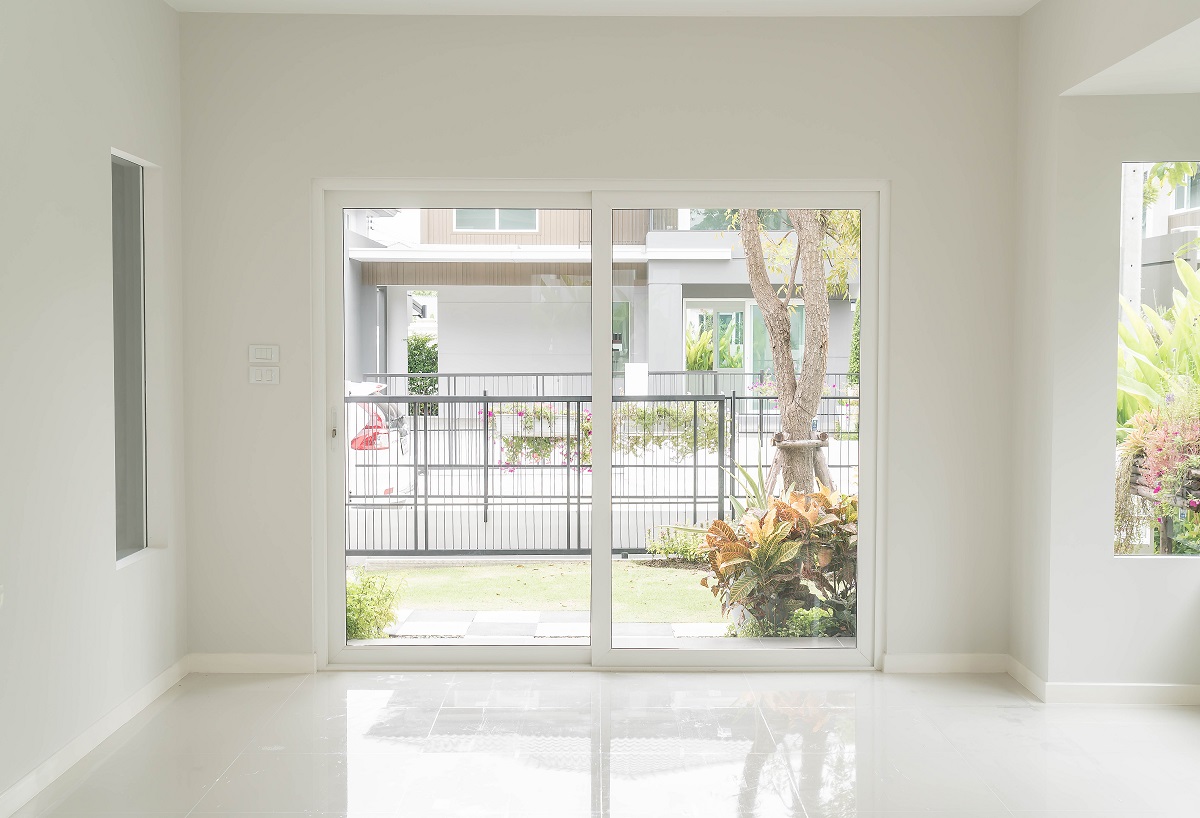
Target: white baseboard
<point x="251" y="663"/>
<point x="1121" y="693"/>
<point x="1027" y="678"/>
<point x="945" y="663"/>
<point x="28" y="787"/>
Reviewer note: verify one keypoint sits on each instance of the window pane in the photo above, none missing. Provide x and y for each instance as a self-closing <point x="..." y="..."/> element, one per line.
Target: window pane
<point x="468" y="459"/>
<point x="518" y="220"/>
<point x="475" y="219"/>
<point x="1157" y="453"/>
<point x="128" y="357"/>
<point x="694" y="416"/>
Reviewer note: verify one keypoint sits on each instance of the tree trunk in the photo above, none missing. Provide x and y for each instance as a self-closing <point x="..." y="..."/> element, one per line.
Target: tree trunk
<point x="799" y="396"/>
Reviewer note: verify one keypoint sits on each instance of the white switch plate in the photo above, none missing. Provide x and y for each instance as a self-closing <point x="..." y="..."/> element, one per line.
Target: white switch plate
<point x="264" y="353"/>
<point x="264" y="374"/>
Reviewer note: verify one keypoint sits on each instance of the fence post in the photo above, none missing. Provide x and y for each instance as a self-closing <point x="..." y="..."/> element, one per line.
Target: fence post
<point x="487" y="452"/>
<point x="695" y="463"/>
<point x="579" y="476"/>
<point x="566" y="471"/>
<point x="721" y="452"/>
<point x="428" y="475"/>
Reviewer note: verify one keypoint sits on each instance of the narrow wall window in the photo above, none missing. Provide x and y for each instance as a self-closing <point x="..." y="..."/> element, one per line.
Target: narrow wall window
<point x="1158" y="363"/>
<point x="129" y="368"/>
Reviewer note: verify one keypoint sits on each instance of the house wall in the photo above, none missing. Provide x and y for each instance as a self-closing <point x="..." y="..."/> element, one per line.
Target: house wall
<point x="1128" y="619"/>
<point x="78" y="636"/>
<point x="514" y="329"/>
<point x="919" y="94"/>
<point x="1053" y="58"/>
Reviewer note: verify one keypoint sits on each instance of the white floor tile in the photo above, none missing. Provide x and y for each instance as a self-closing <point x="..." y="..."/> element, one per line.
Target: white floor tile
<point x="632" y="745"/>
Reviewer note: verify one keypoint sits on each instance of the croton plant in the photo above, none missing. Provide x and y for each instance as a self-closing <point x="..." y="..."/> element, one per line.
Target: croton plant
<point x="799" y="552"/>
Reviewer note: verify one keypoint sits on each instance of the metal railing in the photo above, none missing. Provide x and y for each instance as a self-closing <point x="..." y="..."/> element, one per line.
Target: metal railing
<point x="511" y="474"/>
<point x="549" y="384"/>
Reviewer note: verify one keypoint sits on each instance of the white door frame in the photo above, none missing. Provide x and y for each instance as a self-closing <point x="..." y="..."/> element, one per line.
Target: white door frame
<point x="330" y="196"/>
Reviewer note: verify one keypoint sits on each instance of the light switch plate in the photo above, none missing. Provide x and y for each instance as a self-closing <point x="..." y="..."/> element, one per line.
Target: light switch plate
<point x="262" y="375"/>
<point x="264" y="354"/>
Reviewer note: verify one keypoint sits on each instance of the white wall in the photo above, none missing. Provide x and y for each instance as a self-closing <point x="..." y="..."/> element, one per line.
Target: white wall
<point x="1111" y="619"/>
<point x="514" y="329"/>
<point x="267" y="108"/>
<point x="1062" y="42"/>
<point x="78" y="636"/>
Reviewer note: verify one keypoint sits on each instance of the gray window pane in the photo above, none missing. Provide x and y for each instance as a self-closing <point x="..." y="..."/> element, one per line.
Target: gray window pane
<point x="518" y="220"/>
<point x="128" y="357"/>
<point x="475" y="219"/>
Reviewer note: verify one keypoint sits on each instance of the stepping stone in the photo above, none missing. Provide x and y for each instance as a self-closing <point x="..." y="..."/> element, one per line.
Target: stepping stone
<point x="441" y="616"/>
<point x="432" y="629"/>
<point x="562" y="629"/>
<point x="621" y="629"/>
<point x="478" y="628"/>
<point x="527" y="617"/>
<point x="702" y="629"/>
<point x="565" y="616"/>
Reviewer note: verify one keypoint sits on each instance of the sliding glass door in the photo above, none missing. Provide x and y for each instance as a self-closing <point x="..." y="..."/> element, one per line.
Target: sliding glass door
<point x="630" y="435"/>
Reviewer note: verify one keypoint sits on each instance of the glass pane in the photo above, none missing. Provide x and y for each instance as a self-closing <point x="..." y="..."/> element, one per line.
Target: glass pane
<point x="760" y="359"/>
<point x="621" y="335"/>
<point x="518" y="220"/>
<point x="128" y="357"/>
<point x="731" y="340"/>
<point x="468" y="433"/>
<point x="475" y="219"/>
<point x="683" y="436"/>
<point x="1157" y="503"/>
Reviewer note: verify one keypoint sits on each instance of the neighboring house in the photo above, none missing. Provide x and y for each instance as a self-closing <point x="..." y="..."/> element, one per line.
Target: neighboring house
<point x="1168" y="224"/>
<point x="485" y="264"/>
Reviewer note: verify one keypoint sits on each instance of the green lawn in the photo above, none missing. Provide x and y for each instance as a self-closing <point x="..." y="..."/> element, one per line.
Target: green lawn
<point x="640" y="593"/>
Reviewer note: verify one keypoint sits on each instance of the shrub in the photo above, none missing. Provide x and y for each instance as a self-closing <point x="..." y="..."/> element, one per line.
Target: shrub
<point x="799" y="552"/>
<point x="370" y="605"/>
<point x="423" y="357"/>
<point x="802" y="622"/>
<point x="1159" y="350"/>
<point x="854" y="346"/>
<point x="679" y="542"/>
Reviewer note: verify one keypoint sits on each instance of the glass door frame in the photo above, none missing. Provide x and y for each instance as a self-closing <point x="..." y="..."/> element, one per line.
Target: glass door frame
<point x="332" y="196"/>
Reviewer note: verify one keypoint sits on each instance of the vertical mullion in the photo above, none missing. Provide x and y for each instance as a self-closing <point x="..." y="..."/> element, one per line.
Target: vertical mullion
<point x="601" y="522"/>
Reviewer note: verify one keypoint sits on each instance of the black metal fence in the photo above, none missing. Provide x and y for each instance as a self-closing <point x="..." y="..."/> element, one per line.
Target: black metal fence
<point x="512" y="474"/>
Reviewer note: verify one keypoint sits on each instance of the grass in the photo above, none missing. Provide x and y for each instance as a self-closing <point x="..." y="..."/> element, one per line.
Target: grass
<point x="640" y="593"/>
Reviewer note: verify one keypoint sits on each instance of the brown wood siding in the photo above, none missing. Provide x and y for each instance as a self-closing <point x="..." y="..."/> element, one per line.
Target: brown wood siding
<point x="478" y="273"/>
<point x="561" y="227"/>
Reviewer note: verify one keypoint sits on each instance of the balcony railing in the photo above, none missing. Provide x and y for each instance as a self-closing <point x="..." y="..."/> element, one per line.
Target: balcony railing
<point x="511" y="472"/>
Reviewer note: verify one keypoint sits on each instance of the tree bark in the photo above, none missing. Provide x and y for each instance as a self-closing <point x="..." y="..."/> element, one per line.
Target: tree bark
<point x="799" y="396"/>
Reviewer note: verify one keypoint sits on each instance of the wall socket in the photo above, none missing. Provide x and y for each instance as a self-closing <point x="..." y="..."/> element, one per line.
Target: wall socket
<point x="264" y="375"/>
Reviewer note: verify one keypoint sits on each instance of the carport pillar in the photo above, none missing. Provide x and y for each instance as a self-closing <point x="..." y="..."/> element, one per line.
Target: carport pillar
<point x="665" y="327"/>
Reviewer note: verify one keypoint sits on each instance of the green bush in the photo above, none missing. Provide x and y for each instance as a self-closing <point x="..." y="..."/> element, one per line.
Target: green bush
<point x="677" y="542"/>
<point x="802" y="622"/>
<point x="370" y="605"/>
<point x="854" y="346"/>
<point x="422" y="357"/>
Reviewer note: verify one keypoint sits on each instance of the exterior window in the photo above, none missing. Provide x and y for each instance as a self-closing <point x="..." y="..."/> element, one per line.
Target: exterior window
<point x="129" y="368"/>
<point x="501" y="220"/>
<point x="1187" y="195"/>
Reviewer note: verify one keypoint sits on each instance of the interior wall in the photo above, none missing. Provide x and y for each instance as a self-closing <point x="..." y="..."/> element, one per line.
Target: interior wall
<point x="1128" y="619"/>
<point x="1062" y="42"/>
<point x="78" y="635"/>
<point x="273" y="101"/>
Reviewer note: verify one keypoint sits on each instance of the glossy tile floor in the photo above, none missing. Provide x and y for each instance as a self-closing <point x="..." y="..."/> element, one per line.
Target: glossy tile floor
<point x="557" y="745"/>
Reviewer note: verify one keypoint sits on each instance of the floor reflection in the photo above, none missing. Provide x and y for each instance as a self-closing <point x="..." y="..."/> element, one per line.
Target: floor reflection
<point x="618" y="745"/>
<point x="630" y="745"/>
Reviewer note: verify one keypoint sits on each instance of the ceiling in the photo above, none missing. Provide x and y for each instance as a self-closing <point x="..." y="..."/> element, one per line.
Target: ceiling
<point x="1169" y="66"/>
<point x="680" y="8"/>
